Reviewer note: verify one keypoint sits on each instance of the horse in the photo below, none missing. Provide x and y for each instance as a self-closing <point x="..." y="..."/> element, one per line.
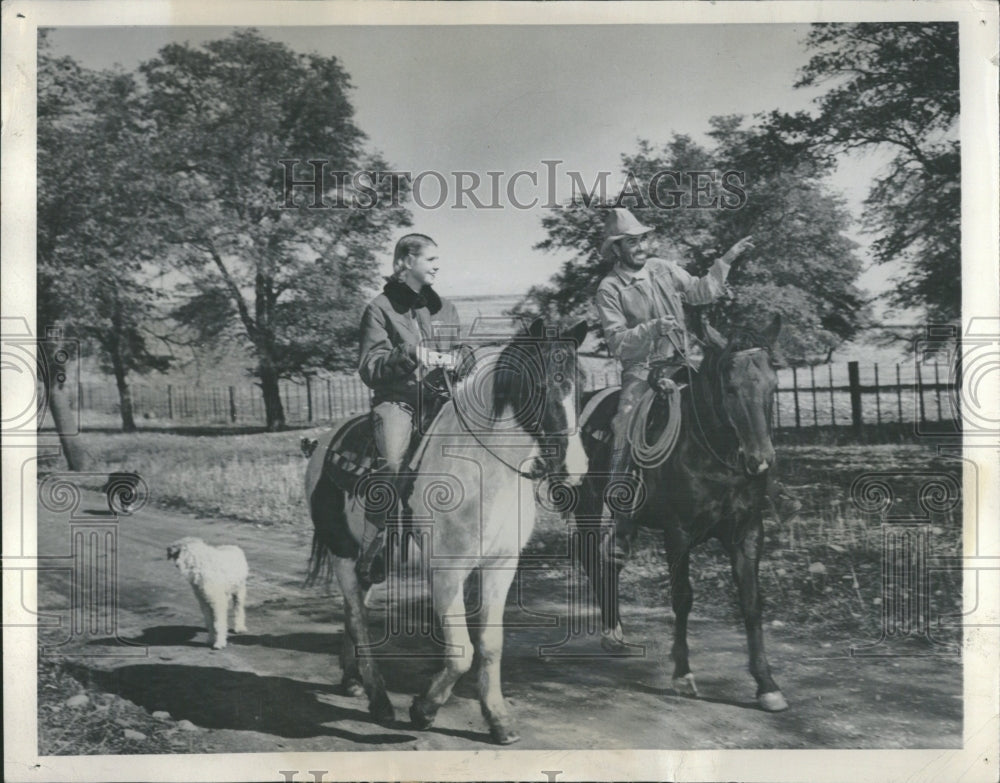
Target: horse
<point x="712" y="485"/>
<point x="511" y="421"/>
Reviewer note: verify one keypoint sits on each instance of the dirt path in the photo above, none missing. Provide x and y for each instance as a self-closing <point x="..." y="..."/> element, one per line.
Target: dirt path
<point x="275" y="688"/>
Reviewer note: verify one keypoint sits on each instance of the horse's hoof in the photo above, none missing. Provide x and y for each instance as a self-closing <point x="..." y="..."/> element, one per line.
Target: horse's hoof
<point x="422" y="714"/>
<point x="685" y="686"/>
<point x="613" y="641"/>
<point x="772" y="702"/>
<point x="503" y="733"/>
<point x="380" y="708"/>
<point x="352" y="687"/>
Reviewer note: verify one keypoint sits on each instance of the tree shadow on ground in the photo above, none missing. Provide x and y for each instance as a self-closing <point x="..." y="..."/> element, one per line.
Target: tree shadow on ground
<point x="217" y="698"/>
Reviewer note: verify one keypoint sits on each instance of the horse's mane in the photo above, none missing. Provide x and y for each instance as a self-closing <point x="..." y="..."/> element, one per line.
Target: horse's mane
<point x="708" y="397"/>
<point x="742" y="338"/>
<point x="515" y="376"/>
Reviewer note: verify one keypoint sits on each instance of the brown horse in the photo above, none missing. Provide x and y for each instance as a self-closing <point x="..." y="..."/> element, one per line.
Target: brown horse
<point x="712" y="486"/>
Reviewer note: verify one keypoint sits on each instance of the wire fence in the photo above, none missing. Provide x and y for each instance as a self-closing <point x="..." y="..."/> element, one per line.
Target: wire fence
<point x="808" y="398"/>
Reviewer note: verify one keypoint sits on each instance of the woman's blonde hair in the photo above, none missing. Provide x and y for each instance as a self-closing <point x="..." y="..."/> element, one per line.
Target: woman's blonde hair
<point x="409" y="245"/>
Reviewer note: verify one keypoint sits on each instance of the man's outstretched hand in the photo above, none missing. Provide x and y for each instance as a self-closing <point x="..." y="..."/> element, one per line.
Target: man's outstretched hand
<point x="738" y="249"/>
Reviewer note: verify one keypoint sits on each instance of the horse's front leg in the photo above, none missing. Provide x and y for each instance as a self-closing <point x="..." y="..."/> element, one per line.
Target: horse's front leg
<point x="496" y="581"/>
<point x="449" y="606"/>
<point x="356" y="622"/>
<point x="682" y="598"/>
<point x="745" y="559"/>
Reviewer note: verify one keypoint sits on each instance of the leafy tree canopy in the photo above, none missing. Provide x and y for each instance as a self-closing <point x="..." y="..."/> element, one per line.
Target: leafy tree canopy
<point x="291" y="281"/>
<point x="804" y="266"/>
<point x="895" y="87"/>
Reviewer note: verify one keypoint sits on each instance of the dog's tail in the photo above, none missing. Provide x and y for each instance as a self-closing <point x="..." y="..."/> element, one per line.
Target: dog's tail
<point x="331" y="532"/>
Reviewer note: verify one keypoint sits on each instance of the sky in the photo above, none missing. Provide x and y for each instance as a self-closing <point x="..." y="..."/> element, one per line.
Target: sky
<point x="506" y="98"/>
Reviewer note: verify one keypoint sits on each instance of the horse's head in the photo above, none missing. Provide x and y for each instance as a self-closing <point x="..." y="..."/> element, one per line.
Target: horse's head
<point x="746" y="385"/>
<point x="536" y="382"/>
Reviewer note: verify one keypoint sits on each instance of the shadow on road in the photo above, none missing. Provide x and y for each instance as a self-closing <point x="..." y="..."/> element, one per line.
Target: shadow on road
<point x="217" y="698"/>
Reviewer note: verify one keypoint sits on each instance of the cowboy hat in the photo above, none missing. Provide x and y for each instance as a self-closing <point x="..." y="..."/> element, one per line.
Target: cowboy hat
<point x="621" y="223"/>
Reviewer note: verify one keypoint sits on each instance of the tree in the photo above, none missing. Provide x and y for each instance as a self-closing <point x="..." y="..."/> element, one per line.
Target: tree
<point x="96" y="223"/>
<point x="292" y="281"/>
<point x="803" y="267"/>
<point x="895" y="87"/>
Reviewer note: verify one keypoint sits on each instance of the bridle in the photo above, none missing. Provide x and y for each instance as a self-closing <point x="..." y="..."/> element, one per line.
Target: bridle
<point x="533" y="475"/>
<point x="704" y="441"/>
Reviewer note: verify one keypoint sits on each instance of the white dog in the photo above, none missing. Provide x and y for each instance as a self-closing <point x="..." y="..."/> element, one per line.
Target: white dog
<point x="216" y="573"/>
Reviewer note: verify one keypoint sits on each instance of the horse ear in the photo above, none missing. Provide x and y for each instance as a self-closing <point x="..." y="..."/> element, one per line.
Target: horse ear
<point x="537" y="328"/>
<point x="773" y="329"/>
<point x="579" y="333"/>
<point x="713" y="336"/>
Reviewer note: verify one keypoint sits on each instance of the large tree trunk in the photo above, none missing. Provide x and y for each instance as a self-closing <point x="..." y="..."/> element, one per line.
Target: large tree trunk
<point x="264" y="300"/>
<point x="65" y="418"/>
<point x="124" y="394"/>
<point x="274" y="411"/>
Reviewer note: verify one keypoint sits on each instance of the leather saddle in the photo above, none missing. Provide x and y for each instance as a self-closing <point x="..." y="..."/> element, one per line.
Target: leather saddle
<point x="351" y="454"/>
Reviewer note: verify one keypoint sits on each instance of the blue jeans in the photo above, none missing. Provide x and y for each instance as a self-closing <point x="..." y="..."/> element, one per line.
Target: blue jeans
<point x="392" y="426"/>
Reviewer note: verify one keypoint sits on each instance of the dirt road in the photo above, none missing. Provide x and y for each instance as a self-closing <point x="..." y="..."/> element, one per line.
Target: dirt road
<point x="276" y="688"/>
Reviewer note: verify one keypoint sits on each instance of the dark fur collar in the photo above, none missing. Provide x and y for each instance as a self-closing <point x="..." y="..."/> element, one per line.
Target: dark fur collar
<point x="403" y="298"/>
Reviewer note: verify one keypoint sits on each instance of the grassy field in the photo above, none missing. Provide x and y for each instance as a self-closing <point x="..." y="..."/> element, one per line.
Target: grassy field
<point x="824" y="568"/>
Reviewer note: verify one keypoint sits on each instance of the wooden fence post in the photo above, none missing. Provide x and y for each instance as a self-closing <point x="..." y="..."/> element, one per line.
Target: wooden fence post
<point x="795" y="396"/>
<point x="878" y="402"/>
<point x="920" y="391"/>
<point x="232" y="404"/>
<point x="833" y="417"/>
<point x="812" y="385"/>
<point x="853" y="378"/>
<point x="170" y="401"/>
<point x="899" y="398"/>
<point x="309" y="400"/>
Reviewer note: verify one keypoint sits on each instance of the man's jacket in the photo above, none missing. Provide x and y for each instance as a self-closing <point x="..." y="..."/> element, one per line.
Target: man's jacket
<point x="394" y="324"/>
<point x="627" y="302"/>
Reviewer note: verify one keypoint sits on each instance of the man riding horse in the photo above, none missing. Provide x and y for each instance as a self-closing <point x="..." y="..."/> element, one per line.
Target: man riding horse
<point x="640" y="303"/>
<point x="405" y="331"/>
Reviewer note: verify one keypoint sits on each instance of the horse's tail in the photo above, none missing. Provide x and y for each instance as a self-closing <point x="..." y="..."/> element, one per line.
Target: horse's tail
<point x="328" y="510"/>
<point x="327" y="506"/>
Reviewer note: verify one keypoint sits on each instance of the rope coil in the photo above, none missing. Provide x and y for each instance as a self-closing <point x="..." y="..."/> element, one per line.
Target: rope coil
<point x="651" y="455"/>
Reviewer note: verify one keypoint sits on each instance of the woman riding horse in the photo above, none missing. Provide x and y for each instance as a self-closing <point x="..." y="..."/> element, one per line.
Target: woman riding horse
<point x="511" y="422"/>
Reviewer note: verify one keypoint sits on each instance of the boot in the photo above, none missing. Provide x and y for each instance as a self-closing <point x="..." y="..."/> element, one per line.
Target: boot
<point x="370" y="567"/>
<point x="619" y="523"/>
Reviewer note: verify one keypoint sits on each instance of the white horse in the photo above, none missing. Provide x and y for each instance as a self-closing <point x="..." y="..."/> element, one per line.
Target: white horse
<point x="511" y="422"/>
